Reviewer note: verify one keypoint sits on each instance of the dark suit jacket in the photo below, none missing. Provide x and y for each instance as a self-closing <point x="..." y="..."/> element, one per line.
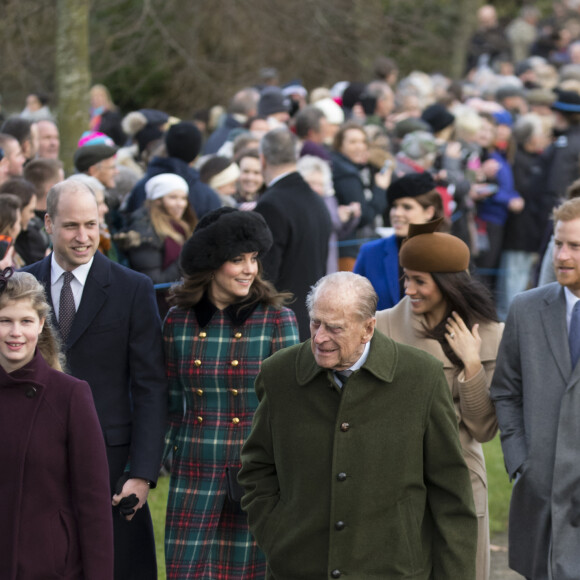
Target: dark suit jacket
<point x="115" y="345"/>
<point x="536" y="393"/>
<point x="301" y="226"/>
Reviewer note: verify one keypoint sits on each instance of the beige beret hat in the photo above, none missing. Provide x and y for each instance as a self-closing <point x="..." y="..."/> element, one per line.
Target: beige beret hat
<point x="426" y="250"/>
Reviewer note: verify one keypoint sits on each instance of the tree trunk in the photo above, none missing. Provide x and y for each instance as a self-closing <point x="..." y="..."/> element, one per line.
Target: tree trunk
<point x="467" y="24"/>
<point x="73" y="75"/>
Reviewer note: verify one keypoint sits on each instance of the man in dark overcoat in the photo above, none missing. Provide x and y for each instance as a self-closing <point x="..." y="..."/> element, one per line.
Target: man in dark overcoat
<point x="536" y="392"/>
<point x="299" y="221"/>
<point x="353" y="467"/>
<point x="112" y="339"/>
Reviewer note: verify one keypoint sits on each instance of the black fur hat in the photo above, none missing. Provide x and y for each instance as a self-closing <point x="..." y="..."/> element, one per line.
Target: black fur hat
<point x="221" y="235"/>
<point x="410" y="185"/>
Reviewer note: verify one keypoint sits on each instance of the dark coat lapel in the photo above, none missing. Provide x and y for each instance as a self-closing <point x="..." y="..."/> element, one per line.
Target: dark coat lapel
<point x="95" y="293"/>
<point x="44" y="275"/>
<point x="554" y="320"/>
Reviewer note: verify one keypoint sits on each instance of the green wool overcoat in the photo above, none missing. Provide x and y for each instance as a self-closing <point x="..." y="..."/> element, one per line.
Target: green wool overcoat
<point x="364" y="482"/>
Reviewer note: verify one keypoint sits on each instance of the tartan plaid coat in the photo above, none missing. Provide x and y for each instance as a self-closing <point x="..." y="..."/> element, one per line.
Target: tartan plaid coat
<point x="211" y="367"/>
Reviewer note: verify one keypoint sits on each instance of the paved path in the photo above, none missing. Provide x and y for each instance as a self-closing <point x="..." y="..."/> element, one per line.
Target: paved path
<point x="499" y="559"/>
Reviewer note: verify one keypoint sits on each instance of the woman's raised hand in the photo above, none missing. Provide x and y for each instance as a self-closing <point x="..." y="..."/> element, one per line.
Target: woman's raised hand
<point x="466" y="344"/>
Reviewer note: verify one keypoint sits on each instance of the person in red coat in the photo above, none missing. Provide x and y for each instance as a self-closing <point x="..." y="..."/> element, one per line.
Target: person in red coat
<point x="55" y="515"/>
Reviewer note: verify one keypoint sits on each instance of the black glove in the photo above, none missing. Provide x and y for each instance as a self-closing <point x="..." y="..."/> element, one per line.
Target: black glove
<point x="127" y="504"/>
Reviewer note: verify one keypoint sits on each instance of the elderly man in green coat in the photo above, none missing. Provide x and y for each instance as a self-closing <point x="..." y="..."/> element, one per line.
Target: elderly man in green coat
<point x="353" y="468"/>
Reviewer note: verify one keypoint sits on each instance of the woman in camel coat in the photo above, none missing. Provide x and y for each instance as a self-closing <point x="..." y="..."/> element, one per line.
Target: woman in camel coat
<point x="451" y="316"/>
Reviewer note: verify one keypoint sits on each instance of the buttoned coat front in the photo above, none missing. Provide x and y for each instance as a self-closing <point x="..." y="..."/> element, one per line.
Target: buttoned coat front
<point x="473" y="407"/>
<point x="55" y="516"/>
<point x="367" y="482"/>
<point x="211" y="368"/>
<point x="537" y="399"/>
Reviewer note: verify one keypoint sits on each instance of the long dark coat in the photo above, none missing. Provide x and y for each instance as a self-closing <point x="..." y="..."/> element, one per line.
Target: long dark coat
<point x="301" y="228"/>
<point x="55" y="506"/>
<point x="367" y="482"/>
<point x="537" y="399"/>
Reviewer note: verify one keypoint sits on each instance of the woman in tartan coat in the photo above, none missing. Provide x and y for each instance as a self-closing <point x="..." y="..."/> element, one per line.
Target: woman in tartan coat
<point x="225" y="321"/>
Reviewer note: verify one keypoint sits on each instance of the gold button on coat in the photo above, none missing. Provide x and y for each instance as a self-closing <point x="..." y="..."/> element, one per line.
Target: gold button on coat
<point x="235" y="392"/>
<point x="235" y="363"/>
<point x="197" y="362"/>
<point x="200" y="419"/>
<point x="238" y="335"/>
<point x="235" y="420"/>
<point x="199" y="392"/>
<point x="202" y="334"/>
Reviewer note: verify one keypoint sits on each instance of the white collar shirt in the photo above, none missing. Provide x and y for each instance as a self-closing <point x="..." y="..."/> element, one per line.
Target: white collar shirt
<point x="77" y="283"/>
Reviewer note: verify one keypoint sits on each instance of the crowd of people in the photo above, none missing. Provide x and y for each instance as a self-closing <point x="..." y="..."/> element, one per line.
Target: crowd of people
<point x="177" y="271"/>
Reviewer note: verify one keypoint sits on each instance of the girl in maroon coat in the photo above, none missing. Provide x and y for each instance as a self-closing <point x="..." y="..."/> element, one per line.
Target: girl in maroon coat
<point x="55" y="514"/>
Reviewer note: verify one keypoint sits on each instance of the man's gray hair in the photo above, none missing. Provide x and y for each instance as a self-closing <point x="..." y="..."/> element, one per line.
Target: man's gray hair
<point x="364" y="297"/>
<point x="54" y="193"/>
<point x="308" y="164"/>
<point x="279" y="147"/>
<point x="92" y="182"/>
<point x="244" y="102"/>
<point x="378" y="89"/>
<point x="308" y="119"/>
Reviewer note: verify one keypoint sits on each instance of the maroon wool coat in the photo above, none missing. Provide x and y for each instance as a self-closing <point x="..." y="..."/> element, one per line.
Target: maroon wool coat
<point x="55" y="505"/>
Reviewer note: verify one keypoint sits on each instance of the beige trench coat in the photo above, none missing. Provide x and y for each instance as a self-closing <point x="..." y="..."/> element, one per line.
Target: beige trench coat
<point x="473" y="407"/>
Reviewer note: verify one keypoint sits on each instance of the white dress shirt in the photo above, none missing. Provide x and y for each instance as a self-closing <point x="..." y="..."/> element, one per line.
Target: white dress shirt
<point x="77" y="283"/>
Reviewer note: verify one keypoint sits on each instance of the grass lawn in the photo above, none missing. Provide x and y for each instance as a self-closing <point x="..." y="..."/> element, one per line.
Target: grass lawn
<point x="157" y="505"/>
<point x="499" y="489"/>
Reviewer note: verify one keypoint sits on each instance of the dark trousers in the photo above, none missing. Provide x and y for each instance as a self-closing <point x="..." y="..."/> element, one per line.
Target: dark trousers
<point x="134" y="546"/>
<point x="134" y="541"/>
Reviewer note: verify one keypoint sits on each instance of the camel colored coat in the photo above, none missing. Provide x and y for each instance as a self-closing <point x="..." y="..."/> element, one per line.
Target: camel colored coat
<point x="473" y="407"/>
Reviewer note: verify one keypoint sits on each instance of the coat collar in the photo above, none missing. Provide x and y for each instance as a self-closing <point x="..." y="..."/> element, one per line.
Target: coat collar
<point x="238" y="313"/>
<point x="36" y="371"/>
<point x="288" y="180"/>
<point x="381" y="362"/>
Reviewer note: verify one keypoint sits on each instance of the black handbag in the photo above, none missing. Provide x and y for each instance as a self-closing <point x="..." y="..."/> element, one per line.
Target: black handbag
<point x="233" y="489"/>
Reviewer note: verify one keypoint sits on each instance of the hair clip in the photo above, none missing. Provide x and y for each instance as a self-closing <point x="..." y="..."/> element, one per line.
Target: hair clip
<point x="4" y="276"/>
